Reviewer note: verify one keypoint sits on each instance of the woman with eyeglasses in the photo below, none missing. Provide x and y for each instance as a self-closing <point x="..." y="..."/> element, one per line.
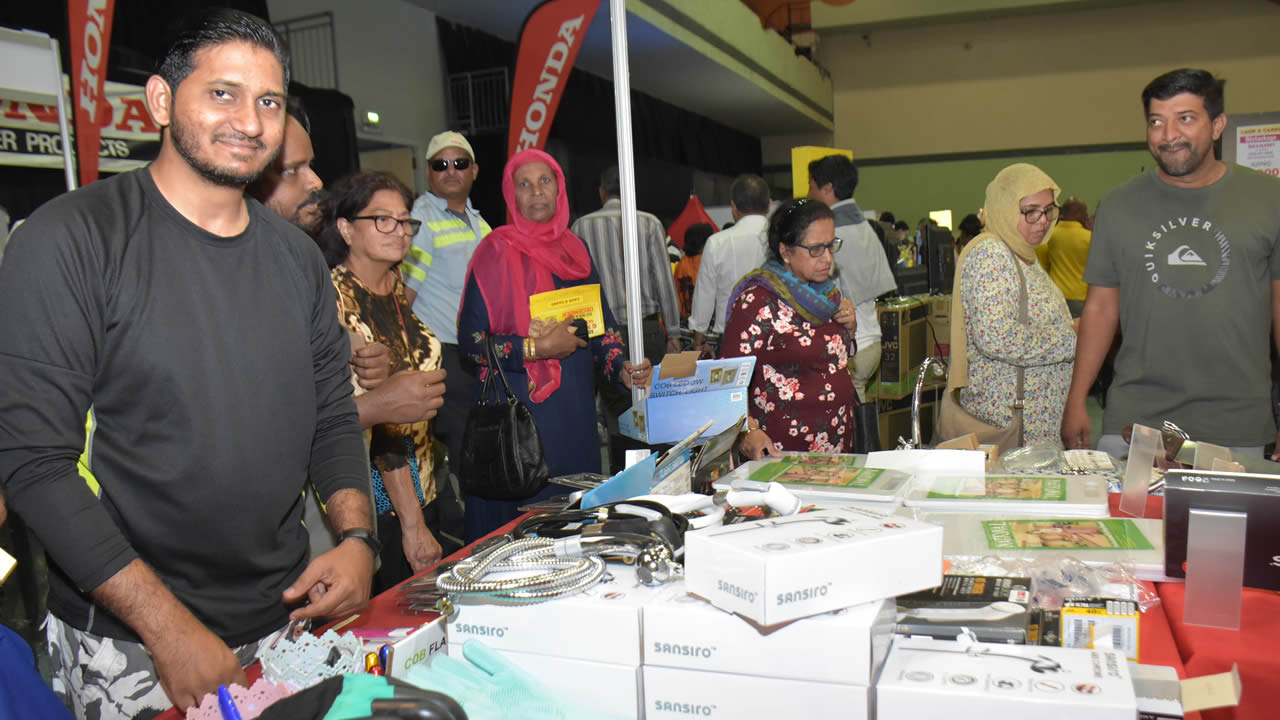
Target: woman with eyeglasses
<point x="549" y="367"/>
<point x="789" y="314"/>
<point x="990" y="343"/>
<point x="365" y="234"/>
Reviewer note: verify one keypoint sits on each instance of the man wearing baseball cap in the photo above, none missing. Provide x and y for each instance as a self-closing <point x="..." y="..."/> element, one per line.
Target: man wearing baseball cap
<point x="435" y="269"/>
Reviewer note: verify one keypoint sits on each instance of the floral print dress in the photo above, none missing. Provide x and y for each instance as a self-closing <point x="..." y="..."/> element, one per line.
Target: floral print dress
<point x="801" y="392"/>
<point x="998" y="344"/>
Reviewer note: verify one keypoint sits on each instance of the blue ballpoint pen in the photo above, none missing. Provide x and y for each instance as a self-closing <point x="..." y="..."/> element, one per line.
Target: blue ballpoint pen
<point x="227" y="705"/>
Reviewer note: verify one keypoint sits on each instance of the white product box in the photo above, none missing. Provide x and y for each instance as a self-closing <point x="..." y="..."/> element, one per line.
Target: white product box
<point x="926" y="678"/>
<point x="612" y="690"/>
<point x="780" y="569"/>
<point x="845" y="647"/>
<point x="601" y="624"/>
<point x="673" y="693"/>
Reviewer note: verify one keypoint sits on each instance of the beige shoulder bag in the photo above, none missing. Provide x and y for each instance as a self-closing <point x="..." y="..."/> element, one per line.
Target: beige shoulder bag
<point x="954" y="421"/>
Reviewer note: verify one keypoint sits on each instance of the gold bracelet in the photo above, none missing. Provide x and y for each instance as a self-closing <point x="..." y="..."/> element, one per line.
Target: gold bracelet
<point x="530" y="349"/>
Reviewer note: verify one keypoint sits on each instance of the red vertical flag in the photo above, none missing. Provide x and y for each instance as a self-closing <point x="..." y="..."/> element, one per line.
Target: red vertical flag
<point x="90" y="24"/>
<point x="692" y="214"/>
<point x="549" y="43"/>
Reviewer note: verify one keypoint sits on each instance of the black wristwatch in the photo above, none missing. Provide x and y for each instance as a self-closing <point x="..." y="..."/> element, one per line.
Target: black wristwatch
<point x="363" y="536"/>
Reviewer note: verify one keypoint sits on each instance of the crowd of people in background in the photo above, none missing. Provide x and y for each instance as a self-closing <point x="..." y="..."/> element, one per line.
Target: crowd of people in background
<point x="260" y="329"/>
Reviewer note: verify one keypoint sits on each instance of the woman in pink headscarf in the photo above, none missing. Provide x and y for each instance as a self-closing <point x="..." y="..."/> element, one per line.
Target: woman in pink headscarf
<point x="549" y="367"/>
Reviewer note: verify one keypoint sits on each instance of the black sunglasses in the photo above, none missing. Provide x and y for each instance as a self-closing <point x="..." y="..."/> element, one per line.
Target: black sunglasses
<point x="461" y="163"/>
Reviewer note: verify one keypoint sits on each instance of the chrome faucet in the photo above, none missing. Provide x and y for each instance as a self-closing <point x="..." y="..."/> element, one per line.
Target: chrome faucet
<point x="939" y="369"/>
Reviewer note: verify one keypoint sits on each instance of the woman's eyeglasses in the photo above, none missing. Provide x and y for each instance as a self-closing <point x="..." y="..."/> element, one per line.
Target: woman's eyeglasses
<point x="387" y="224"/>
<point x="461" y="163"/>
<point x="1035" y="215"/>
<point x="818" y="250"/>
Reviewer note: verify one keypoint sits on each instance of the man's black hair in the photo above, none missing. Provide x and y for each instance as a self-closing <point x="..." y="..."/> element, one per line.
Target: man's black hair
<point x="293" y="105"/>
<point x="1187" y="80"/>
<point x="609" y="182"/>
<point x="888" y="218"/>
<point x="750" y="194"/>
<point x="837" y="170"/>
<point x="217" y="26"/>
<point x="971" y="225"/>
<point x="695" y="238"/>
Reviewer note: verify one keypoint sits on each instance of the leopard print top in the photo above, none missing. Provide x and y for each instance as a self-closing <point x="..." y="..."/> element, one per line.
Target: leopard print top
<point x="389" y="319"/>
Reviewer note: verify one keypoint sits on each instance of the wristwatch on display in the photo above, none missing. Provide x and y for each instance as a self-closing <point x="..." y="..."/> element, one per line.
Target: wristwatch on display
<point x="363" y="536"/>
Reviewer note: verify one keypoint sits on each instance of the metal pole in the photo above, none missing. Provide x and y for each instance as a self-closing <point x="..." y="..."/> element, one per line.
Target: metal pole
<point x="627" y="180"/>
<point x="68" y="153"/>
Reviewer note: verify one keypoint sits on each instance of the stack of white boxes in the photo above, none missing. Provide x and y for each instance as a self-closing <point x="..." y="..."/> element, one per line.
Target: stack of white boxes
<point x="705" y="662"/>
<point x="812" y="603"/>
<point x="585" y="647"/>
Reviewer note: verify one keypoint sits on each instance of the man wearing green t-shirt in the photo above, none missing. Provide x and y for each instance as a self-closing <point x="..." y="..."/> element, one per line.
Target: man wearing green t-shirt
<point x="1184" y="262"/>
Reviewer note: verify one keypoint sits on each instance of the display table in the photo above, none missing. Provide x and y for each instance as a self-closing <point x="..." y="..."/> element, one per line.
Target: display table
<point x="1207" y="651"/>
<point x="1163" y="639"/>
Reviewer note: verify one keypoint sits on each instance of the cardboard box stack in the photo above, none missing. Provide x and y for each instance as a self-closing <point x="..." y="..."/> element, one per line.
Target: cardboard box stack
<point x="895" y="416"/>
<point x="938" y="326"/>
<point x="903" y="345"/>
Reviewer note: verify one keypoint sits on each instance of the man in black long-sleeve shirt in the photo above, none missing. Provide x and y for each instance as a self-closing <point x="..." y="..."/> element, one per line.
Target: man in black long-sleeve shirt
<point x="196" y="330"/>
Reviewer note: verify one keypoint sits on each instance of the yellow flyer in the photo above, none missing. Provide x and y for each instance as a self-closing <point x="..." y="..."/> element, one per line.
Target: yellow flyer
<point x="580" y="301"/>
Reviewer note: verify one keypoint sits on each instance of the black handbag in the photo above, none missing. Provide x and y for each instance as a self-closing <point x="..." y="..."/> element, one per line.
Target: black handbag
<point x="866" y="427"/>
<point x="502" y="455"/>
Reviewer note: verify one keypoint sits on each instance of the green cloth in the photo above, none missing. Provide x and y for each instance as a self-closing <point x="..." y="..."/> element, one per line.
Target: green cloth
<point x="490" y="687"/>
<point x="358" y="694"/>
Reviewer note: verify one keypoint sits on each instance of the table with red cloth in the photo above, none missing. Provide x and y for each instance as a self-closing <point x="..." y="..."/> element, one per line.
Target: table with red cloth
<point x="1163" y="638"/>
<point x="384" y="610"/>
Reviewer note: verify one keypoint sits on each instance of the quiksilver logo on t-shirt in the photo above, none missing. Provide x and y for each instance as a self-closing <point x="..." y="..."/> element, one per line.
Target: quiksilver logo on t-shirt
<point x="1187" y="257"/>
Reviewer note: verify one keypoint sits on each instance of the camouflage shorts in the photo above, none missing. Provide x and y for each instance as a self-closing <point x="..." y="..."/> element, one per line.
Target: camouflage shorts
<point x="100" y="678"/>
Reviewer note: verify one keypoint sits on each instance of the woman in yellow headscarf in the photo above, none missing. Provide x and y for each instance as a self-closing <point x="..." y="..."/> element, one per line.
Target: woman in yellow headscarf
<point x="993" y="340"/>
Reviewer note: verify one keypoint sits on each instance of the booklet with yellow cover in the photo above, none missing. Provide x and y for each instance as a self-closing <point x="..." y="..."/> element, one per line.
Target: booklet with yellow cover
<point x="579" y="301"/>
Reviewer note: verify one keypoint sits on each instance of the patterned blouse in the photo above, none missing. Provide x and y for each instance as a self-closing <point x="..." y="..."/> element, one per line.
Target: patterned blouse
<point x="801" y="391"/>
<point x="389" y="319"/>
<point x="999" y="344"/>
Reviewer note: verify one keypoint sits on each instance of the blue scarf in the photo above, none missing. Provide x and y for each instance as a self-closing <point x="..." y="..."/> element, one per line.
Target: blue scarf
<point x="816" y="302"/>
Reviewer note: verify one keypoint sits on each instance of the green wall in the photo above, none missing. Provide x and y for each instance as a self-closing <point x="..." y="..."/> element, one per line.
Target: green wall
<point x="911" y="189"/>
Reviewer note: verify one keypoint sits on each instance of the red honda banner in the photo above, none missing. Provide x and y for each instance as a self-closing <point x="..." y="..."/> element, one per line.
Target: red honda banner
<point x="90" y="24"/>
<point x="692" y="214"/>
<point x="549" y="43"/>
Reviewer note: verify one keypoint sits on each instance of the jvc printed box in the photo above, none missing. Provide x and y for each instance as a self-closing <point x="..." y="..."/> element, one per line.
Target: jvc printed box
<point x="683" y="694"/>
<point x="925" y="679"/>
<point x="684" y="631"/>
<point x="779" y="569"/>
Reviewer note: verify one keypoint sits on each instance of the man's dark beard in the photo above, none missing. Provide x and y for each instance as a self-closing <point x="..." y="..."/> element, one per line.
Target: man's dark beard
<point x="187" y="147"/>
<point x="1192" y="164"/>
<point x="314" y="199"/>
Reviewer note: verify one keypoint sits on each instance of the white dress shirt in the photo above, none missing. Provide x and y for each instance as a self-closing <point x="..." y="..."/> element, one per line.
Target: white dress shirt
<point x="728" y="256"/>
